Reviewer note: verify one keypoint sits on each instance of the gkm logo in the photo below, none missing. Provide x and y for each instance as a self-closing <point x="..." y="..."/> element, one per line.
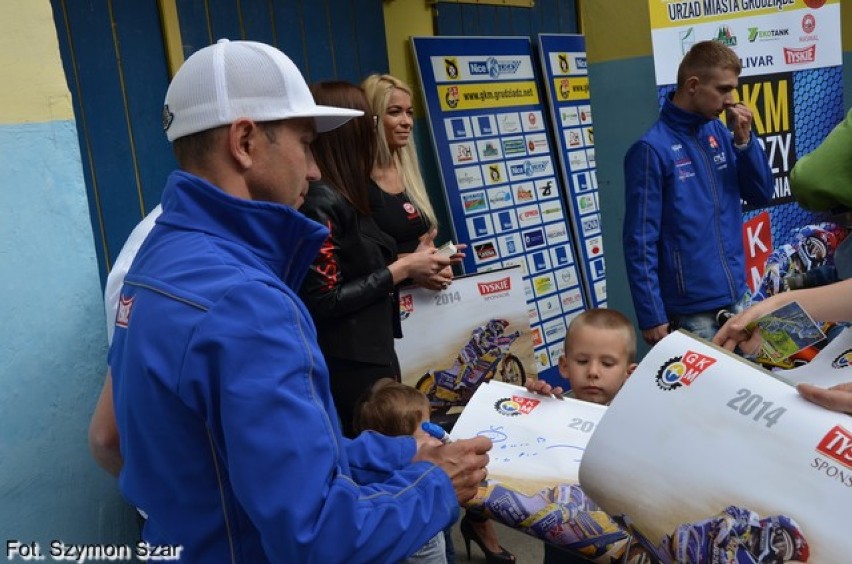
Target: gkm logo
<point x="496" y="287"/>
<point x="516" y="405"/>
<point x="843" y="360"/>
<point x="683" y="370"/>
<point x="837" y="445"/>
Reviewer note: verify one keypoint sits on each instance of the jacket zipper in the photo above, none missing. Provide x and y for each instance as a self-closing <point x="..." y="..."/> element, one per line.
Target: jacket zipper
<point x="711" y="173"/>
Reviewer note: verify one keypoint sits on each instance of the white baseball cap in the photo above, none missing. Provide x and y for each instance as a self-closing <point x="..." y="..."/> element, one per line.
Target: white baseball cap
<point x="229" y="80"/>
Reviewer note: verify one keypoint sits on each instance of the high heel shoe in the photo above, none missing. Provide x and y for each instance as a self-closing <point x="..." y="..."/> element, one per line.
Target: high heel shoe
<point x="469" y="534"/>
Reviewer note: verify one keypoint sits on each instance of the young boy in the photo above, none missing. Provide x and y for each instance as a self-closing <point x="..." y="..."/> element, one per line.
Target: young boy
<point x="394" y="409"/>
<point x="599" y="355"/>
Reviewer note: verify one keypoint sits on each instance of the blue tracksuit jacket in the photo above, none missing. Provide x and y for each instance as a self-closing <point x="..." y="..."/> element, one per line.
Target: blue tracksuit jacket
<point x="682" y="235"/>
<point x="222" y="401"/>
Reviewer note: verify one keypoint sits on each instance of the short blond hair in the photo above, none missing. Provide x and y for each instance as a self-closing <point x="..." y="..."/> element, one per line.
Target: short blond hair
<point x="605" y="318"/>
<point x="391" y="408"/>
<point x="706" y="56"/>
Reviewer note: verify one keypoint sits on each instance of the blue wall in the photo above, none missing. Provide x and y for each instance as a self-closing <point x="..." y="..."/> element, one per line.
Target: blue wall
<point x="52" y="345"/>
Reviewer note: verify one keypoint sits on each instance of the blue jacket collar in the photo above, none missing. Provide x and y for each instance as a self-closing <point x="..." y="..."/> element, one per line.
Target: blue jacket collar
<point x="680" y="119"/>
<point x="279" y="235"/>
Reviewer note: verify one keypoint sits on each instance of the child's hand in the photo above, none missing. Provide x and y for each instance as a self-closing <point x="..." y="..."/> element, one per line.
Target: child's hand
<point x="542" y="387"/>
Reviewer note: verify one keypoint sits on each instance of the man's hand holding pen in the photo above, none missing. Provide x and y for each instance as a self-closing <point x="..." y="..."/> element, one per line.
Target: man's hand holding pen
<point x="464" y="461"/>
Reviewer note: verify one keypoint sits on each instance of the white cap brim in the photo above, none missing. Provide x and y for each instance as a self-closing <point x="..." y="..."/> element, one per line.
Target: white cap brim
<point x="327" y="118"/>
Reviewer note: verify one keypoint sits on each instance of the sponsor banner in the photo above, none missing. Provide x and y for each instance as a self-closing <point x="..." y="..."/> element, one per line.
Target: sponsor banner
<point x="571" y="117"/>
<point x="714" y="410"/>
<point x="451" y="68"/>
<point x="466" y="97"/>
<point x="496" y="158"/>
<point x="767" y="35"/>
<point x="791" y="54"/>
<point x="482" y="318"/>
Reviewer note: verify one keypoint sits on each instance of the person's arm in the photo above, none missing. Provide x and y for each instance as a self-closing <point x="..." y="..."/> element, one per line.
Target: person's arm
<point x="326" y="290"/>
<point x="644" y="180"/>
<point x="104" y="442"/>
<point x="820" y="180"/>
<point x="288" y="467"/>
<point x="825" y="303"/>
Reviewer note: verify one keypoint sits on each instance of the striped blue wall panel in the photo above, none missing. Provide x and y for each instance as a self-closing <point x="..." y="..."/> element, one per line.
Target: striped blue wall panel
<point x="257" y="21"/>
<point x="115" y="63"/>
<point x="199" y="34"/>
<point x="289" y="33"/>
<point x="225" y="19"/>
<point x="546" y="16"/>
<point x="315" y="20"/>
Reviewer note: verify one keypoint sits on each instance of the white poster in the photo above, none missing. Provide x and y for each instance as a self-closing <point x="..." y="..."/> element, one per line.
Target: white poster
<point x="532" y="480"/>
<point x="715" y="460"/>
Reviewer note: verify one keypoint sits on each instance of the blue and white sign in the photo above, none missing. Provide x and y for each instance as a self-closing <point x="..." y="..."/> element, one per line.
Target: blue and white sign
<point x="490" y="131"/>
<point x="563" y="58"/>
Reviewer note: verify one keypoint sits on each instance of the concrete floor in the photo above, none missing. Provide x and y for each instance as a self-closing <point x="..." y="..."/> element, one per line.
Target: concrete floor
<point x="527" y="550"/>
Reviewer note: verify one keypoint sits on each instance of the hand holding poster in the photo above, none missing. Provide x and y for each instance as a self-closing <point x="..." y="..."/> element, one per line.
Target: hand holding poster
<point x="732" y="465"/>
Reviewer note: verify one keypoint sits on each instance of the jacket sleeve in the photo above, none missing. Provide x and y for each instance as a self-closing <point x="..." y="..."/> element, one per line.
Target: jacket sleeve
<point x="270" y="429"/>
<point x="820" y="180"/>
<point x="326" y="290"/>
<point x="754" y="174"/>
<point x="644" y="178"/>
<point x="372" y="456"/>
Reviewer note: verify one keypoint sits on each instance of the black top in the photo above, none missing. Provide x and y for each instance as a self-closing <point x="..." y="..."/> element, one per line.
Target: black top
<point x="348" y="289"/>
<point x="398" y="217"/>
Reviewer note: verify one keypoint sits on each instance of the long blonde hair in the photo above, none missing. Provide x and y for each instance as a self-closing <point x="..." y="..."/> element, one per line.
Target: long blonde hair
<point x="378" y="88"/>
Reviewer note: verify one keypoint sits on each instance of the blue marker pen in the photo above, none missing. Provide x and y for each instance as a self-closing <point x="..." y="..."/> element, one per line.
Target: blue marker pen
<point x="436" y="431"/>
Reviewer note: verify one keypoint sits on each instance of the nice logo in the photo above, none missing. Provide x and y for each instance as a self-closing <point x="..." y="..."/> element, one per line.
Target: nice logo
<point x="683" y="370"/>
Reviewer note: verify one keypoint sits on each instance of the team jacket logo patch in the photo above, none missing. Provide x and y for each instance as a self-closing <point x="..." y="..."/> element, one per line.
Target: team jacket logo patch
<point x="125" y="305"/>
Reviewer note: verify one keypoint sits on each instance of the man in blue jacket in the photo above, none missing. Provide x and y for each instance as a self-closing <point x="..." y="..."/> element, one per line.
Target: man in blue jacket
<point x="685" y="178"/>
<point x="221" y="393"/>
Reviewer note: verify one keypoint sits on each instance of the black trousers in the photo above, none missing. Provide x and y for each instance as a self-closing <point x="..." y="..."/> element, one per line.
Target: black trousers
<point x="350" y="380"/>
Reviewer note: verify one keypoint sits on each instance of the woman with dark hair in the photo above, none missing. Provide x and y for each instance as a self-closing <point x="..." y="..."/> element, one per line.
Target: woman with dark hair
<point x="350" y="288"/>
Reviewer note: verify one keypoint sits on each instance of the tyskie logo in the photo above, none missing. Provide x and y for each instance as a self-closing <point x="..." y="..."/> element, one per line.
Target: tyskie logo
<point x="683" y="370"/>
<point x="837" y="445"/>
<point x="800" y="56"/>
<point x="495" y="287"/>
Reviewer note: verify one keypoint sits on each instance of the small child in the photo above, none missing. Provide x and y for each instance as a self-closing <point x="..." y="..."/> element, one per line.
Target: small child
<point x="599" y="356"/>
<point x="394" y="409"/>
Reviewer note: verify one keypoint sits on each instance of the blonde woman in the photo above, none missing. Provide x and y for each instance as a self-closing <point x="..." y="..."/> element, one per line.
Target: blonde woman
<point x="401" y="207"/>
<point x="398" y="198"/>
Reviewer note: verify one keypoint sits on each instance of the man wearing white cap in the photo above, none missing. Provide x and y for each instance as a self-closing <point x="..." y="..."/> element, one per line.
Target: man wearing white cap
<point x="221" y="394"/>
